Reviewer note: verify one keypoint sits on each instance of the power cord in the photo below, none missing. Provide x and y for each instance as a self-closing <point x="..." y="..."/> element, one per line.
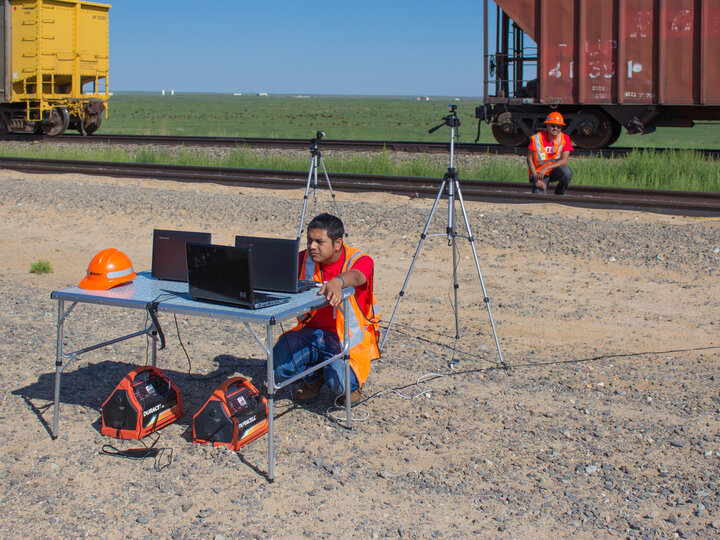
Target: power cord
<point x="182" y="345"/>
<point x="142" y="453"/>
<point x="424" y="389"/>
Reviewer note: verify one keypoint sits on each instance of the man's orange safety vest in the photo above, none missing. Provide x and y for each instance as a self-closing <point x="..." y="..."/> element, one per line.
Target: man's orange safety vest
<point x="543" y="159"/>
<point x="364" y="324"/>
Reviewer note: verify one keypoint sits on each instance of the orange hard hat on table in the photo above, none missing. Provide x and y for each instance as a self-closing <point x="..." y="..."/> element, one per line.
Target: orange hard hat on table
<point x="555" y="118"/>
<point x="107" y="269"/>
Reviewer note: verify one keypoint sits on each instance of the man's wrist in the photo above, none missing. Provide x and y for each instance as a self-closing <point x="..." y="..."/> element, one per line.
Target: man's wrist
<point x="342" y="281"/>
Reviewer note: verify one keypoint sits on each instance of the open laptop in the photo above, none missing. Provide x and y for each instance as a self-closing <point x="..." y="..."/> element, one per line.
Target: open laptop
<point x="275" y="264"/>
<point x="168" y="257"/>
<point x="223" y="274"/>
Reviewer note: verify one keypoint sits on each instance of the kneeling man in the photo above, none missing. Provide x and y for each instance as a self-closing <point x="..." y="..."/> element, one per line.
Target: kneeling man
<point x="319" y="334"/>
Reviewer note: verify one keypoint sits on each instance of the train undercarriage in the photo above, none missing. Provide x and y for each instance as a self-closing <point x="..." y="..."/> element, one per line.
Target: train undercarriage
<point x="589" y="126"/>
<point x="84" y="116"/>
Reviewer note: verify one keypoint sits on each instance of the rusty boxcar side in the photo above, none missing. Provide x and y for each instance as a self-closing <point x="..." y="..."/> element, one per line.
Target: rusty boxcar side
<point x="56" y="64"/>
<point x="603" y="64"/>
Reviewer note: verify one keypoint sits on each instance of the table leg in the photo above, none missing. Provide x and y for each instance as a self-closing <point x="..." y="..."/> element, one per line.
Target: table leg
<point x="58" y="366"/>
<point x="346" y="359"/>
<point x="271" y="401"/>
<point x="154" y="337"/>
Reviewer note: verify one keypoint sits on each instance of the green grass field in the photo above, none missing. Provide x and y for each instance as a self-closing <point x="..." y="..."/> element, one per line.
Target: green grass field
<point x="222" y="115"/>
<point x="373" y="118"/>
<point x="362" y="118"/>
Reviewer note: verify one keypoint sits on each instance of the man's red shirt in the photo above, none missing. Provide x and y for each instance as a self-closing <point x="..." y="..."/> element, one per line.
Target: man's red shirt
<point x="324" y="318"/>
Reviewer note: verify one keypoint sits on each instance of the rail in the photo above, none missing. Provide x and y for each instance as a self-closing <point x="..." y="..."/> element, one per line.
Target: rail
<point x="669" y="202"/>
<point x="327" y="144"/>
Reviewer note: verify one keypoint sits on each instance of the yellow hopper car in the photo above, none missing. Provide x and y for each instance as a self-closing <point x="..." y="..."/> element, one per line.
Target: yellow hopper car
<point x="55" y="75"/>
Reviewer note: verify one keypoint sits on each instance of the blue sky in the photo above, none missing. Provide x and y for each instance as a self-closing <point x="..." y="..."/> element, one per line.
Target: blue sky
<point x="391" y="47"/>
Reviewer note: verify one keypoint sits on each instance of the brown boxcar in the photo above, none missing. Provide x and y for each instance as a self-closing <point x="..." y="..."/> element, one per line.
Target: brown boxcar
<point x="603" y="64"/>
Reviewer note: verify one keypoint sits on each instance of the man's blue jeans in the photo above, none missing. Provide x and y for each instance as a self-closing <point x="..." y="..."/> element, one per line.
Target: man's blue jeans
<point x="298" y="350"/>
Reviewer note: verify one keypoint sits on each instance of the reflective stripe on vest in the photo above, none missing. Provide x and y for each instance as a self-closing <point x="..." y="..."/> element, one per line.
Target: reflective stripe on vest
<point x="309" y="267"/>
<point x="541" y="157"/>
<point x="356" y="334"/>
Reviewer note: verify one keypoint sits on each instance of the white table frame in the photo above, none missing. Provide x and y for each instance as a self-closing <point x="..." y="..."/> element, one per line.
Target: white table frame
<point x="173" y="297"/>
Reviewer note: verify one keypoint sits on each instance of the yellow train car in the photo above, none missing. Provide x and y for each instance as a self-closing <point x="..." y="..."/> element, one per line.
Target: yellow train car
<point x="56" y="60"/>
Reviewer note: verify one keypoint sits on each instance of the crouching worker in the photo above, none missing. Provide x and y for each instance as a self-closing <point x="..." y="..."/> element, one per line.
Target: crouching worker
<point x="548" y="156"/>
<point x="319" y="334"/>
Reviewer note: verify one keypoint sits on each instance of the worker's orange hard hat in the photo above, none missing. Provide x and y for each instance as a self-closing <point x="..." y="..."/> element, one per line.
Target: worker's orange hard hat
<point x="107" y="269"/>
<point x="555" y="118"/>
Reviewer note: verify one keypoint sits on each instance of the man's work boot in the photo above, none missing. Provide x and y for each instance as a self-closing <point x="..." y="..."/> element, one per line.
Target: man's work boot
<point x="308" y="391"/>
<point x="355" y="397"/>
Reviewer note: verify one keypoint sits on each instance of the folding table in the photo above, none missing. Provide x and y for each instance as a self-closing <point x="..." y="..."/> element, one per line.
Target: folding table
<point x="154" y="295"/>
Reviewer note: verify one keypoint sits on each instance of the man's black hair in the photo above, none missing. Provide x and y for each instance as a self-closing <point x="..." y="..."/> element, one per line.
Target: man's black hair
<point x="332" y="225"/>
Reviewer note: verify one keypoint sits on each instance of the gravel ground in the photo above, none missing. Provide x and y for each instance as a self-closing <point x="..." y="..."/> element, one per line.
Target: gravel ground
<point x="606" y="423"/>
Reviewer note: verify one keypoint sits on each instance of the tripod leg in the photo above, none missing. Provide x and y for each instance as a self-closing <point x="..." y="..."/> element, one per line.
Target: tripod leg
<point x="477" y="265"/>
<point x="455" y="282"/>
<point x="451" y="232"/>
<point x="315" y="188"/>
<point x="412" y="264"/>
<point x="313" y="166"/>
<point x="332" y="193"/>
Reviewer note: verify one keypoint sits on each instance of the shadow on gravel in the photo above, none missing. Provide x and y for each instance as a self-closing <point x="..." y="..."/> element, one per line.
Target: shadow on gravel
<point x="90" y="385"/>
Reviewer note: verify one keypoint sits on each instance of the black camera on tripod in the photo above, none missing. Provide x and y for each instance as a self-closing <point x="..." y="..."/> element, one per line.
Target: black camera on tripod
<point x="314" y="142"/>
<point x="450" y="120"/>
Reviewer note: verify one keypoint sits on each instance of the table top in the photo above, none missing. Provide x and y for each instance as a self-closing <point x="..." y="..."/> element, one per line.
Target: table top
<point x="173" y="297"/>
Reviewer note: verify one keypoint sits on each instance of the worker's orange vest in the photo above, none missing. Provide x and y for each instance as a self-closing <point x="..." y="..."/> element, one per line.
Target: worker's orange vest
<point x="364" y="324"/>
<point x="543" y="159"/>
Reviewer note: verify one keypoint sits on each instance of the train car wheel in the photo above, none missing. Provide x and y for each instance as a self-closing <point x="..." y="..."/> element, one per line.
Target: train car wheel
<point x="507" y="132"/>
<point x="595" y="134"/>
<point x="92" y="123"/>
<point x="56" y="123"/>
<point x="617" y="131"/>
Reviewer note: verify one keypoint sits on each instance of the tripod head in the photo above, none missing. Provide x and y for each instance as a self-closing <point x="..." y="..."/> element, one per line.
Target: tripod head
<point x="314" y="142"/>
<point x="450" y="120"/>
<point x="318" y="135"/>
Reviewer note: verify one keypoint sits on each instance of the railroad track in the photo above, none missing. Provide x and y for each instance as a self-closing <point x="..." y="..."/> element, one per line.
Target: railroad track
<point x="326" y="144"/>
<point x="670" y="202"/>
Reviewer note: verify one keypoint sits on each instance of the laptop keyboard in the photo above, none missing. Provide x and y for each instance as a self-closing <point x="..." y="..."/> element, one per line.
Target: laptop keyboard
<point x="305" y="285"/>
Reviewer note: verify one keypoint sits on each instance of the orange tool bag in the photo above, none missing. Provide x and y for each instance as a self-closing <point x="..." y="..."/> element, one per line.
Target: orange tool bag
<point x="144" y="401"/>
<point x="235" y="415"/>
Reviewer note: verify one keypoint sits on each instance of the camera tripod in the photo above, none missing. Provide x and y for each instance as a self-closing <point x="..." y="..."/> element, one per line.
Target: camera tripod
<point x="315" y="158"/>
<point x="450" y="186"/>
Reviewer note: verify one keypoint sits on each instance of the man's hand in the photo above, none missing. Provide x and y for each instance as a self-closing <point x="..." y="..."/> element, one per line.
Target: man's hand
<point x="539" y="178"/>
<point x="332" y="290"/>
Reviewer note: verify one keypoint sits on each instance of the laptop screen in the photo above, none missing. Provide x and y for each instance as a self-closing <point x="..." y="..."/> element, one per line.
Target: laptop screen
<point x="274" y="262"/>
<point x="219" y="273"/>
<point x="168" y="259"/>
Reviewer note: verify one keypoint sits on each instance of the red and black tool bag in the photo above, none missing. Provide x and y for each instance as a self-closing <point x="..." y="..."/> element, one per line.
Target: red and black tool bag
<point x="234" y="415"/>
<point x="144" y="401"/>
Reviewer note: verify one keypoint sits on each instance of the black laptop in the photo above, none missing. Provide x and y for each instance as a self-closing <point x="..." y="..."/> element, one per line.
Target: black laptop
<point x="275" y="264"/>
<point x="223" y="274"/>
<point x="168" y="257"/>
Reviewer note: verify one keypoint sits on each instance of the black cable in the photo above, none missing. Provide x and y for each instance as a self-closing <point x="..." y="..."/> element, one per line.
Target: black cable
<point x="142" y="453"/>
<point x="182" y="345"/>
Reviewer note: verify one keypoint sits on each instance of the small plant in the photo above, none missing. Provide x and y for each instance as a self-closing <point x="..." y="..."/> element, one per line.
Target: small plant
<point x="41" y="267"/>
